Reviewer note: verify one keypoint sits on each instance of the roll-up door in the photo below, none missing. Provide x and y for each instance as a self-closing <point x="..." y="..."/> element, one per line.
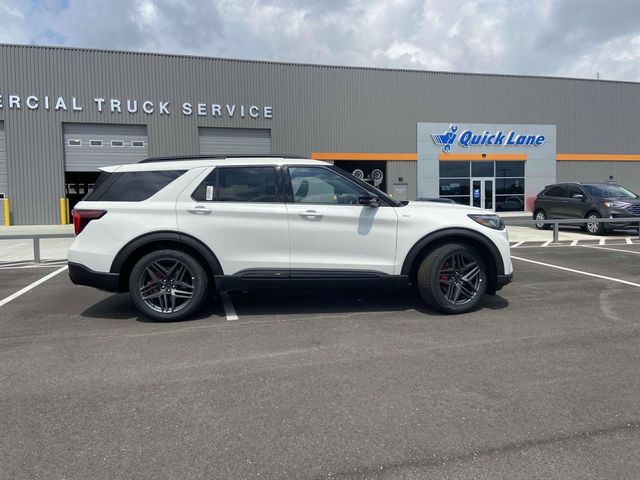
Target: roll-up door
<point x="88" y="146"/>
<point x="234" y="141"/>
<point x="4" y="182"/>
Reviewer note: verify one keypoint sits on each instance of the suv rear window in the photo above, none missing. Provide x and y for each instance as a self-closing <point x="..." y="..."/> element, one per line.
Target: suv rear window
<point x="132" y="186"/>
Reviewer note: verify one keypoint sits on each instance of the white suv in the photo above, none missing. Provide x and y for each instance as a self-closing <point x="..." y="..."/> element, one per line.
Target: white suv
<point x="168" y="229"/>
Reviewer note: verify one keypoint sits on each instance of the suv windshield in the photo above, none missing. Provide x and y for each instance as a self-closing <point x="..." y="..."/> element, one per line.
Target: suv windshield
<point x="607" y="191"/>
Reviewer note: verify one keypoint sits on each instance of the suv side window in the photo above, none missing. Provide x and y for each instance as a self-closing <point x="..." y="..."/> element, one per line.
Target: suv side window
<point x="557" y="191"/>
<point x="238" y="184"/>
<point x="574" y="190"/>
<point x="318" y="185"/>
<point x="131" y="186"/>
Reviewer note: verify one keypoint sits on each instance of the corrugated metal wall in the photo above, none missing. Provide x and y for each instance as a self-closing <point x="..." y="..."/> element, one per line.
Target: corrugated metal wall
<point x="400" y="172"/>
<point x="4" y="187"/>
<point x="626" y="173"/>
<point x="315" y="108"/>
<point x="88" y="158"/>
<point x="246" y="141"/>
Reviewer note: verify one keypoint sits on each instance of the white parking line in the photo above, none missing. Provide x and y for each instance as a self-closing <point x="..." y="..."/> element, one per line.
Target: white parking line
<point x="601" y="242"/>
<point x="629" y="242"/>
<point x="546" y="244"/>
<point x="578" y="271"/>
<point x="611" y="249"/>
<point x="229" y="310"/>
<point x="516" y="245"/>
<point x="31" y="287"/>
<point x="574" y="243"/>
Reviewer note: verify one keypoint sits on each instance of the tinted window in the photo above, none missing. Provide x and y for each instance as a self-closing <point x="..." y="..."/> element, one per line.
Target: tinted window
<point x="134" y="186"/>
<point x="556" y="192"/>
<point x="247" y="184"/>
<point x="605" y="191"/>
<point x="482" y="169"/>
<point x="509" y="185"/>
<point x="323" y="186"/>
<point x="99" y="186"/>
<point x="509" y="203"/>
<point x="510" y="169"/>
<point x="574" y="190"/>
<point x="458" y="186"/>
<point x="454" y="169"/>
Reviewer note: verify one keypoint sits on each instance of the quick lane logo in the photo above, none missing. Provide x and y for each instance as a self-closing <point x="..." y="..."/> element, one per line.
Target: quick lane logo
<point x="486" y="139"/>
<point x="445" y="139"/>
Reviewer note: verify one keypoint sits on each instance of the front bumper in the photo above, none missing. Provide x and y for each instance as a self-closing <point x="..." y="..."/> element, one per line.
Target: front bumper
<point x="81" y="275"/>
<point x="503" y="280"/>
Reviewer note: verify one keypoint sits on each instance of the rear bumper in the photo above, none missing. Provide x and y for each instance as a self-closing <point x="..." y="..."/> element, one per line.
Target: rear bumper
<point x="81" y="275"/>
<point x="503" y="280"/>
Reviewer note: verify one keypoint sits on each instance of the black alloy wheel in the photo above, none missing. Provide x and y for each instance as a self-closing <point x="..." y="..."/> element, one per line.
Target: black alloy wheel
<point x="452" y="278"/>
<point x="168" y="285"/>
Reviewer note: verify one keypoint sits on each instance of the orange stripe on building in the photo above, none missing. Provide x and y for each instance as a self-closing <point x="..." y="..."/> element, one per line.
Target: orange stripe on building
<point x="363" y="156"/>
<point x="596" y="157"/>
<point x="482" y="156"/>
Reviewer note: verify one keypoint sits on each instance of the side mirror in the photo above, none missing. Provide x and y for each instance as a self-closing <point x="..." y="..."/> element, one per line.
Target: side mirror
<point x="370" y="200"/>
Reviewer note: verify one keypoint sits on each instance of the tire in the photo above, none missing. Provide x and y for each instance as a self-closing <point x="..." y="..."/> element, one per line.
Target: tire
<point x="168" y="269"/>
<point x="541" y="215"/>
<point x="437" y="270"/>
<point x="594" y="228"/>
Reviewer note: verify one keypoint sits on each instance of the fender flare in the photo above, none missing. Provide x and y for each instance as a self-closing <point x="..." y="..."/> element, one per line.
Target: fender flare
<point x="168" y="236"/>
<point x="448" y="232"/>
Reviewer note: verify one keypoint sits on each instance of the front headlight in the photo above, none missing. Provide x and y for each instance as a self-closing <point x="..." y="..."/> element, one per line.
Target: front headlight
<point x="491" y="221"/>
<point x="610" y="204"/>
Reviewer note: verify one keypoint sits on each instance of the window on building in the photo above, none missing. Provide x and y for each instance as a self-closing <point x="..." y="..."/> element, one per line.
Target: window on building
<point x="74" y="142"/>
<point x="117" y="143"/>
<point x="510" y="169"/>
<point x="137" y="143"/>
<point x="482" y="169"/>
<point x="454" y="169"/>
<point x="95" y="143"/>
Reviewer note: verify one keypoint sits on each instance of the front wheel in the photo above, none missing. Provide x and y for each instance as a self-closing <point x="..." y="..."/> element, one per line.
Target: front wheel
<point x="594" y="227"/>
<point x="452" y="278"/>
<point x="168" y="285"/>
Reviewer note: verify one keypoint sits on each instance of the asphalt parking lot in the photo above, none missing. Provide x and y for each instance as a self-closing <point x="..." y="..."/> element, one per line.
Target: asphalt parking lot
<point x="541" y="382"/>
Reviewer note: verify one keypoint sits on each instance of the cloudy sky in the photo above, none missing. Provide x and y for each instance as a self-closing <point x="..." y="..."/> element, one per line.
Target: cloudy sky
<point x="576" y="38"/>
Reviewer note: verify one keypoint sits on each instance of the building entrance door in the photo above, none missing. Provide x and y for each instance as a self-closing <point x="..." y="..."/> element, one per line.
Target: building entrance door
<point x="482" y="193"/>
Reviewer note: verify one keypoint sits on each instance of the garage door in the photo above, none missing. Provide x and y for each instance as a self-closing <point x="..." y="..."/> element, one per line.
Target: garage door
<point x="234" y="141"/>
<point x="89" y="146"/>
<point x="4" y="182"/>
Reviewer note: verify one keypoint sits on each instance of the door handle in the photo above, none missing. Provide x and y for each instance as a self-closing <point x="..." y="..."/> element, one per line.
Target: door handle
<point x="199" y="210"/>
<point x="311" y="214"/>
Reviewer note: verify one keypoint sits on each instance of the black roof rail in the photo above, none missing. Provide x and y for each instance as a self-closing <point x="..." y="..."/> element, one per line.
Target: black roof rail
<point x="215" y="157"/>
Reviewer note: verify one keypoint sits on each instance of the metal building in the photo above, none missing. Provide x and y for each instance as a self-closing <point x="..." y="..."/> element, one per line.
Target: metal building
<point x="488" y="140"/>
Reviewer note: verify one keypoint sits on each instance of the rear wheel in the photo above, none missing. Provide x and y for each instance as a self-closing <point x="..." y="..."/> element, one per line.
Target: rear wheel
<point x="540" y="216"/>
<point x="168" y="285"/>
<point x="452" y="278"/>
<point x="594" y="227"/>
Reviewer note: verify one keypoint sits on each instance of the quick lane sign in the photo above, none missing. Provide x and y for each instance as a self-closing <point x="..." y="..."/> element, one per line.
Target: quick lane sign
<point x="468" y="138"/>
<point x="133" y="106"/>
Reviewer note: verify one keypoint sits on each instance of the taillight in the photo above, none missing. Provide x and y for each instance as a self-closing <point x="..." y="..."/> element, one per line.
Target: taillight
<point x="82" y="217"/>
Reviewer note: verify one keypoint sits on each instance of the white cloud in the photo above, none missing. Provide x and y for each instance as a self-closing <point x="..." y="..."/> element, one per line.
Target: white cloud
<point x="536" y="37"/>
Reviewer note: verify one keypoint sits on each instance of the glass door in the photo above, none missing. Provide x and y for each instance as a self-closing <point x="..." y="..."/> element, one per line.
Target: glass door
<point x="482" y="193"/>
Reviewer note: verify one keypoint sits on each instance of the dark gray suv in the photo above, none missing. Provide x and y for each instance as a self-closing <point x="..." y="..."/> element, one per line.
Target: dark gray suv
<point x="587" y="200"/>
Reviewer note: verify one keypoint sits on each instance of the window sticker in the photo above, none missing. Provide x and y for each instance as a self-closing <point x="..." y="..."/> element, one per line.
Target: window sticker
<point x="209" y="192"/>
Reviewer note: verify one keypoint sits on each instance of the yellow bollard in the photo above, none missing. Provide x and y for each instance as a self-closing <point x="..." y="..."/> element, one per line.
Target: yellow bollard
<point x="68" y="214"/>
<point x="63" y="213"/>
<point x="7" y="219"/>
